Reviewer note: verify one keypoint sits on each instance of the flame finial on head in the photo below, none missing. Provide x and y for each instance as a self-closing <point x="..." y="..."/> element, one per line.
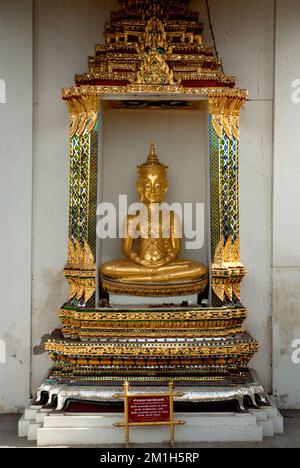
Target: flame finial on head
<point x="152" y="155"/>
<point x="152" y="164"/>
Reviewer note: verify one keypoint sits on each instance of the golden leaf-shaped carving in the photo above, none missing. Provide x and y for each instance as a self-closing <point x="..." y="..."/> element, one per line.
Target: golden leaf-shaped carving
<point x="79" y="253"/>
<point x="79" y="290"/>
<point x="73" y="288"/>
<point x="219" y="290"/>
<point x="92" y="119"/>
<point x="229" y="291"/>
<point x="80" y="271"/>
<point x="73" y="125"/>
<point x="89" y="260"/>
<point x="235" y="252"/>
<point x="237" y="291"/>
<point x="83" y="118"/>
<point x="217" y="123"/>
<point x="89" y="290"/>
<point x="227" y="251"/>
<point x="219" y="253"/>
<point x="235" y="126"/>
<point x="72" y="257"/>
<point x="227" y="125"/>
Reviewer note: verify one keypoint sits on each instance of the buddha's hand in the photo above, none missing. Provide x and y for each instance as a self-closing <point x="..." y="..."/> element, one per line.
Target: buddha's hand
<point x="157" y="266"/>
<point x="150" y="265"/>
<point x="134" y="257"/>
<point x="169" y="258"/>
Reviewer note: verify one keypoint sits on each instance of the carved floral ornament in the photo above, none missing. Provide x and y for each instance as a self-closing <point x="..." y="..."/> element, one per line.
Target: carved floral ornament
<point x="80" y="271"/>
<point x="83" y="111"/>
<point x="154" y="70"/>
<point x="227" y="254"/>
<point x="225" y="112"/>
<point x="227" y="270"/>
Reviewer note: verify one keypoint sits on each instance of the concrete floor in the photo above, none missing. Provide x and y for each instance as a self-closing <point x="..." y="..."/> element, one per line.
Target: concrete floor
<point x="290" y="439"/>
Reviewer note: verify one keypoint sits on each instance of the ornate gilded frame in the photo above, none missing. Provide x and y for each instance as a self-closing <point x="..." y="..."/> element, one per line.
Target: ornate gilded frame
<point x="224" y="105"/>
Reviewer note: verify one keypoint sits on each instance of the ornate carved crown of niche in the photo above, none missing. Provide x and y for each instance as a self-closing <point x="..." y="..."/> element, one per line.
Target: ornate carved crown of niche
<point x="153" y="46"/>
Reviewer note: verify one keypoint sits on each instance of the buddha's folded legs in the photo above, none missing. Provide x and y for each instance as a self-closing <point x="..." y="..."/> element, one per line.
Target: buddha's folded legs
<point x="180" y="270"/>
<point x="118" y="269"/>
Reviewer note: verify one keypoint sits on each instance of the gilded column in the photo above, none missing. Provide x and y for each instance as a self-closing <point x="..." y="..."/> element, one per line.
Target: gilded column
<point x="227" y="269"/>
<point x="80" y="270"/>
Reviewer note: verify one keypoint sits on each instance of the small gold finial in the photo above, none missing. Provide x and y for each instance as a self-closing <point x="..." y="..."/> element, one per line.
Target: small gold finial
<point x="152" y="164"/>
<point x="152" y="156"/>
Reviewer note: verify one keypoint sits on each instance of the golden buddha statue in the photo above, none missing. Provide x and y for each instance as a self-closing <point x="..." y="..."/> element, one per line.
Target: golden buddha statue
<point x="152" y="244"/>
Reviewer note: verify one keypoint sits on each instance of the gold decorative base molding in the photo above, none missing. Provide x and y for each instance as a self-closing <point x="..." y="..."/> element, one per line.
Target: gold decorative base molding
<point x="136" y="356"/>
<point x="163" y="323"/>
<point x="154" y="290"/>
<point x="70" y="370"/>
<point x="97" y="334"/>
<point x="141" y="316"/>
<point x="69" y="348"/>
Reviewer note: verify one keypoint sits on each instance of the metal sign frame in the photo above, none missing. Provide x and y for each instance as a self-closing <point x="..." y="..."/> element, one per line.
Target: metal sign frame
<point x="172" y="422"/>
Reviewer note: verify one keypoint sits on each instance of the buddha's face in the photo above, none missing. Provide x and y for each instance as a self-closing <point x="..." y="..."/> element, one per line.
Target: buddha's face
<point x="152" y="188"/>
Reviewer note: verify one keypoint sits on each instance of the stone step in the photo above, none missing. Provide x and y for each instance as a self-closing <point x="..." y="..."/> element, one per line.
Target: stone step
<point x="23" y="426"/>
<point x="108" y="420"/>
<point x="30" y="413"/>
<point x="28" y="417"/>
<point x="98" y="430"/>
<point x="273" y="413"/>
<point x="40" y="416"/>
<point x="53" y="429"/>
<point x="32" y="431"/>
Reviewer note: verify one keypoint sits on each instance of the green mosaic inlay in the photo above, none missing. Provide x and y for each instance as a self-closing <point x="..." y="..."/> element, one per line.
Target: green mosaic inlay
<point x="215" y="187"/>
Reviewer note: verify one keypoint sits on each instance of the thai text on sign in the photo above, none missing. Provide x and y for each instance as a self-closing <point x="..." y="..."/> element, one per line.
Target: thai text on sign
<point x="149" y="409"/>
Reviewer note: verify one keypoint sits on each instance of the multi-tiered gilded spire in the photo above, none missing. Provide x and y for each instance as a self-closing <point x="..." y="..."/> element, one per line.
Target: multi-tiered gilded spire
<point x="155" y="42"/>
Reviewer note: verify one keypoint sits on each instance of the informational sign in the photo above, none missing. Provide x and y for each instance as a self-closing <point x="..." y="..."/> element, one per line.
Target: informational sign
<point x="149" y="409"/>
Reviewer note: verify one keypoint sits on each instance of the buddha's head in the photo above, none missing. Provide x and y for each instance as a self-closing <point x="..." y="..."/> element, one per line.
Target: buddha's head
<point x="152" y="183"/>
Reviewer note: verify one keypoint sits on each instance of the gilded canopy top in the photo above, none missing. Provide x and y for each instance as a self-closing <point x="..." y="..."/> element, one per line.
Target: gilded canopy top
<point x="154" y="46"/>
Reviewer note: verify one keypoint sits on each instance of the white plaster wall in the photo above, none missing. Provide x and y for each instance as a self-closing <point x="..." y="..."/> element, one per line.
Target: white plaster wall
<point x="15" y="201"/>
<point x="244" y="33"/>
<point x="256" y="162"/>
<point x="286" y="257"/>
